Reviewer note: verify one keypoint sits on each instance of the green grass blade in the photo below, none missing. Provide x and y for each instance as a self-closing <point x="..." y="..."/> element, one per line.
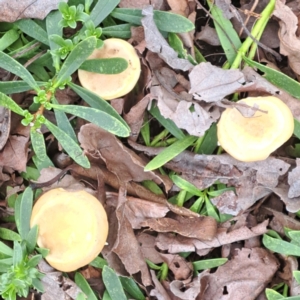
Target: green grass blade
<point x="24" y="213"/>
<point x="113" y="284"/>
<point x="122" y="31"/>
<point x="273" y="295"/>
<point x="228" y="37"/>
<point x="279" y="79"/>
<point x="165" y="21"/>
<point x="32" y="29"/>
<point x="84" y="286"/>
<point x="280" y="246"/>
<point x="297" y="128"/>
<point x="75" y="59"/>
<point x="132" y="288"/>
<point x="105" y="65"/>
<point x="185" y="185"/>
<point x="102" y="9"/>
<point x="209" y="263"/>
<point x="11" y="65"/>
<point x="5" y="249"/>
<point x="31" y="238"/>
<point x="170" y="152"/>
<point x="97" y="117"/>
<point x="9" y="235"/>
<point x="71" y="147"/>
<point x="9" y="103"/>
<point x="8" y="38"/>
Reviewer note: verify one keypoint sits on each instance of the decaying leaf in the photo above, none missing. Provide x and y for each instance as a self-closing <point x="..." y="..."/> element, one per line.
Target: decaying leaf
<point x="245" y="276"/>
<point x="13" y="10"/>
<point x="157" y="44"/>
<point x="294" y="181"/>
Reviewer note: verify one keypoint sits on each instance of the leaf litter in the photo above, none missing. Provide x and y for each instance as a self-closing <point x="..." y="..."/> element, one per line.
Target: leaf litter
<point x="143" y="223"/>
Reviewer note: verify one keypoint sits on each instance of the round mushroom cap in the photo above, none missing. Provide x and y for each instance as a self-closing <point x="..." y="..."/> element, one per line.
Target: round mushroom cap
<point x="72" y="225"/>
<point x="255" y="138"/>
<point x="111" y="86"/>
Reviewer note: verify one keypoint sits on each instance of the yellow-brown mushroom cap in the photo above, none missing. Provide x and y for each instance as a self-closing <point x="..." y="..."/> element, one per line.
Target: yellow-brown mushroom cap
<point x="255" y="138"/>
<point x="72" y="225"/>
<point x="111" y="86"/>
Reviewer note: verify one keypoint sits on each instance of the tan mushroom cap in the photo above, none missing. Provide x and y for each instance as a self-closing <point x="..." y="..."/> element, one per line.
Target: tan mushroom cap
<point x="72" y="225"/>
<point x="255" y="138"/>
<point x="111" y="86"/>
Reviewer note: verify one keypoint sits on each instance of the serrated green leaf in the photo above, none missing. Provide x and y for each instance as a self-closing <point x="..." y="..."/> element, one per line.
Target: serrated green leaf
<point x="97" y="117"/>
<point x="8" y="38"/>
<point x="105" y="65"/>
<point x="25" y="209"/>
<point x="185" y="185"/>
<point x="84" y="286"/>
<point x="209" y="263"/>
<point x="170" y="152"/>
<point x="280" y="246"/>
<point x="71" y="147"/>
<point x="9" y="235"/>
<point x="113" y="284"/>
<point x="38" y="143"/>
<point x="5" y="249"/>
<point x="227" y="35"/>
<point x="32" y="29"/>
<point x="63" y="122"/>
<point x="165" y="21"/>
<point x="9" y="103"/>
<point x="75" y="59"/>
<point x="11" y="65"/>
<point x="122" y="31"/>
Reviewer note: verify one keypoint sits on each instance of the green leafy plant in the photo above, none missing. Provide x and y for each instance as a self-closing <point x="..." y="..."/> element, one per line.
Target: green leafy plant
<point x="18" y="272"/>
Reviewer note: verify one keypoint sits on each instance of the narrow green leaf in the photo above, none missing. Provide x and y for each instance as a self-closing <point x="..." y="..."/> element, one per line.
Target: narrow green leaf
<point x="96" y="102"/>
<point x="63" y="122"/>
<point x="98" y="262"/>
<point x="97" y="117"/>
<point x="13" y="87"/>
<point x="9" y="235"/>
<point x="75" y="59"/>
<point x="209" y="263"/>
<point x="38" y="143"/>
<point x="10" y="104"/>
<point x="52" y="20"/>
<point x="25" y="212"/>
<point x="295" y="236"/>
<point x="39" y="72"/>
<point x="71" y="147"/>
<point x="81" y="296"/>
<point x="6" y="261"/>
<point x="122" y="31"/>
<point x="31" y="28"/>
<point x="167" y="123"/>
<point x="280" y="246"/>
<point x="279" y="79"/>
<point x="42" y="164"/>
<point x="5" y="249"/>
<point x="185" y="185"/>
<point x="8" y="38"/>
<point x="31" y="238"/>
<point x="34" y="260"/>
<point x="228" y="37"/>
<point x="210" y="141"/>
<point x="296" y="274"/>
<point x="113" y="284"/>
<point x="105" y="65"/>
<point x="165" y="21"/>
<point x="211" y="210"/>
<point x="37" y="284"/>
<point x="170" y="152"/>
<point x="273" y="295"/>
<point x="84" y="286"/>
<point x="11" y="65"/>
<point x="18" y="254"/>
<point x="132" y="288"/>
<point x="102" y="9"/>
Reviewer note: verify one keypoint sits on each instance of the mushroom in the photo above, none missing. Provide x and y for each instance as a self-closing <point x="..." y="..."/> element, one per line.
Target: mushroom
<point x="72" y="225"/>
<point x="111" y="86"/>
<point x="255" y="138"/>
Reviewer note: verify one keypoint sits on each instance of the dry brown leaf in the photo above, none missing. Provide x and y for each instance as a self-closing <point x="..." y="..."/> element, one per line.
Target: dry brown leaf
<point x="201" y="227"/>
<point x="176" y="244"/>
<point x="294" y="181"/>
<point x="119" y="159"/>
<point x="12" y="10"/>
<point x="245" y="276"/>
<point x="289" y="42"/>
<point x="208" y="35"/>
<point x="211" y="83"/>
<point x="156" y="43"/>
<point x="159" y="291"/>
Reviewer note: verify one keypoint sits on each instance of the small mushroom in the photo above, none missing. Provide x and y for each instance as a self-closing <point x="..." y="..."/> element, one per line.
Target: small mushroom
<point x="111" y="86"/>
<point x="255" y="138"/>
<point x="72" y="225"/>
